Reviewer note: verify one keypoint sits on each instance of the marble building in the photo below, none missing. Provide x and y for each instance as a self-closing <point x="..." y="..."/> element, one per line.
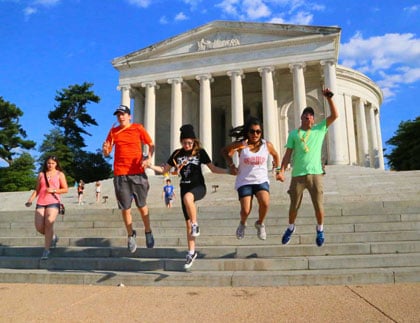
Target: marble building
<point x="216" y="75"/>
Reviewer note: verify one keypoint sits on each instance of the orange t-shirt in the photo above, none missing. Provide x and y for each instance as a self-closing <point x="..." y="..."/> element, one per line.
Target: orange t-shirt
<point x="128" y="148"/>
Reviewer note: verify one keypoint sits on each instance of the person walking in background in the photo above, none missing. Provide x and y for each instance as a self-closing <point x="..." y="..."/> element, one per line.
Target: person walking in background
<point x="252" y="172"/>
<point x="130" y="180"/>
<point x="80" y="190"/>
<point x="97" y="191"/>
<point x="51" y="183"/>
<point x="187" y="161"/>
<point x="304" y="147"/>
<point x="168" y="193"/>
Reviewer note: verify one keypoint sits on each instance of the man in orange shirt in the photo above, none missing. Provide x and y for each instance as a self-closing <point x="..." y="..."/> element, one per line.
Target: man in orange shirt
<point x="130" y="181"/>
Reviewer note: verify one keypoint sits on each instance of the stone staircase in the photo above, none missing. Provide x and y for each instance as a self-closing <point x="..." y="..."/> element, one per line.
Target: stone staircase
<point x="372" y="236"/>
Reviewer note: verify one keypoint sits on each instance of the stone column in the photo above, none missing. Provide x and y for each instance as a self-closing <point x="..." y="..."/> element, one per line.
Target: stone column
<point x="269" y="109"/>
<point x="362" y="137"/>
<point x="150" y="112"/>
<point x="176" y="111"/>
<point x="373" y="145"/>
<point x="299" y="91"/>
<point x="337" y="135"/>
<point x="237" y="104"/>
<point x="138" y="106"/>
<point x="351" y="137"/>
<point x="381" y="163"/>
<point x="205" y="114"/>
<point x="125" y="95"/>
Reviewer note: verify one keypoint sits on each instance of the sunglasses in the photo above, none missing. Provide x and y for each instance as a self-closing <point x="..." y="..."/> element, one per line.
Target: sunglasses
<point x="188" y="143"/>
<point x="253" y="131"/>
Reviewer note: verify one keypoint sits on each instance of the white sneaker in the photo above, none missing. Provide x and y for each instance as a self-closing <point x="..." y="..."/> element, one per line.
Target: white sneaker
<point x="131" y="242"/>
<point x="195" y="230"/>
<point x="262" y="235"/>
<point x="240" y="231"/>
<point x="190" y="259"/>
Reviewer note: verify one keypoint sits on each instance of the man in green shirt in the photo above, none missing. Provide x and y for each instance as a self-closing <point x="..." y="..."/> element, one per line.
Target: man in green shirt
<point x="304" y="147"/>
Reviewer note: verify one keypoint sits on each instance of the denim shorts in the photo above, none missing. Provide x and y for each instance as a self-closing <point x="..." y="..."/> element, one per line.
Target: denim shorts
<point x="252" y="189"/>
<point x="53" y="205"/>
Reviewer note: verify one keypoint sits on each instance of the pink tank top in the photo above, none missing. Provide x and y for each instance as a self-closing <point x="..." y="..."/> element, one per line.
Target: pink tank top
<point x="45" y="198"/>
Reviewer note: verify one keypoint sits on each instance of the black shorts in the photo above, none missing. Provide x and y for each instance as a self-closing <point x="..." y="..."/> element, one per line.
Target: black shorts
<point x="198" y="192"/>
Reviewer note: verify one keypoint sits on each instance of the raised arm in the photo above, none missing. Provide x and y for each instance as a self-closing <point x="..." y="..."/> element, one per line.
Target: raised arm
<point x="333" y="109"/>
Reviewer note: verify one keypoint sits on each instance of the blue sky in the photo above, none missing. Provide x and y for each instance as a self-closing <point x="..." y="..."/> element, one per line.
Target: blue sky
<point x="47" y="45"/>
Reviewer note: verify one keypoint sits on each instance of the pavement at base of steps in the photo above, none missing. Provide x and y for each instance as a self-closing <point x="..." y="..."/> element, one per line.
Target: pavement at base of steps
<point x="87" y="303"/>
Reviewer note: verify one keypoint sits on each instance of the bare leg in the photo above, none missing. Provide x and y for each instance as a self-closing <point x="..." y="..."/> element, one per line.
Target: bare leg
<point x="190" y="238"/>
<point x="246" y="206"/>
<point x="50" y="217"/>
<point x="263" y="198"/>
<point x="188" y="199"/>
<point x="39" y="220"/>
<point x="144" y="212"/>
<point x="128" y="221"/>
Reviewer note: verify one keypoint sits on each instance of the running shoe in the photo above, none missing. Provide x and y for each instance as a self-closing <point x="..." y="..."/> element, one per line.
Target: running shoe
<point x="131" y="243"/>
<point x="262" y="235"/>
<point x="190" y="259"/>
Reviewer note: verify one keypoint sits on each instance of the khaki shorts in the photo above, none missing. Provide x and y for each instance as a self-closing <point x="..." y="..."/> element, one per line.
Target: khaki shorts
<point x="129" y="188"/>
<point x="314" y="184"/>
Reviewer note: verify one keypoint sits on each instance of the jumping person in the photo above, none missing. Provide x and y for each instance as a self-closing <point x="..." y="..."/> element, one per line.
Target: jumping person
<point x="130" y="180"/>
<point x="188" y="160"/>
<point x="304" y="147"/>
<point x="252" y="172"/>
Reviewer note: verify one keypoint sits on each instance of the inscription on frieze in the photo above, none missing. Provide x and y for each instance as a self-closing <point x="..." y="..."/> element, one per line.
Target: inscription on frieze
<point x="204" y="44"/>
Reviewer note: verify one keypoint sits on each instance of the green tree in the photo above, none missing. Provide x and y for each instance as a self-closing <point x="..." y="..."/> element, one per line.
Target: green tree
<point x="91" y="167"/>
<point x="406" y="152"/>
<point x="66" y="141"/>
<point x="19" y="176"/>
<point x="71" y="113"/>
<point x="11" y="132"/>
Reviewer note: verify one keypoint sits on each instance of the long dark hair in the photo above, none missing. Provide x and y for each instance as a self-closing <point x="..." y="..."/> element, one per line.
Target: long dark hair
<point x="241" y="132"/>
<point x="54" y="158"/>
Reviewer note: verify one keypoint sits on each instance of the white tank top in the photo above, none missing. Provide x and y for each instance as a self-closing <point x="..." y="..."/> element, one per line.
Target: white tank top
<point x="252" y="166"/>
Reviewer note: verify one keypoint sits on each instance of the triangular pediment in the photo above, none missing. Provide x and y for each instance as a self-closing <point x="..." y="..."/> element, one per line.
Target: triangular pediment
<point x="226" y="35"/>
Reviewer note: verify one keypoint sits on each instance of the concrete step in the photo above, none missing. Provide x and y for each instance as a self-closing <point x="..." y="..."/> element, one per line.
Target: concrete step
<point x="215" y="264"/>
<point x="238" y="252"/>
<point x="217" y="240"/>
<point x="389" y="275"/>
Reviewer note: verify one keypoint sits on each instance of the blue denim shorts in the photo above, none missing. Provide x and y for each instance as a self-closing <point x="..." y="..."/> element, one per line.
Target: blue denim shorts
<point x="252" y="189"/>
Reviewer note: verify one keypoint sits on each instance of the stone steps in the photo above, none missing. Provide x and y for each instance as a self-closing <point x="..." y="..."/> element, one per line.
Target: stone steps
<point x="372" y="236"/>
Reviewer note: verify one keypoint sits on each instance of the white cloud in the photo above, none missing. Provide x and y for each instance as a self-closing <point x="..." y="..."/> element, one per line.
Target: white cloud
<point x="256" y="9"/>
<point x="412" y="9"/>
<point x="29" y="11"/>
<point x="180" y="16"/>
<point x="275" y="11"/>
<point x="229" y="7"/>
<point x="392" y="59"/>
<point x="192" y="3"/>
<point x="140" y="3"/>
<point x="163" y="20"/>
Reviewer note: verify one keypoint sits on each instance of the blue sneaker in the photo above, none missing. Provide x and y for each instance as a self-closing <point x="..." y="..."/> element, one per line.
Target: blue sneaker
<point x="287" y="235"/>
<point x="319" y="238"/>
<point x="150" y="241"/>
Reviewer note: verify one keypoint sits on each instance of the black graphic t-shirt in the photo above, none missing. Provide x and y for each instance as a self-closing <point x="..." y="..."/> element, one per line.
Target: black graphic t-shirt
<point x="189" y="167"/>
